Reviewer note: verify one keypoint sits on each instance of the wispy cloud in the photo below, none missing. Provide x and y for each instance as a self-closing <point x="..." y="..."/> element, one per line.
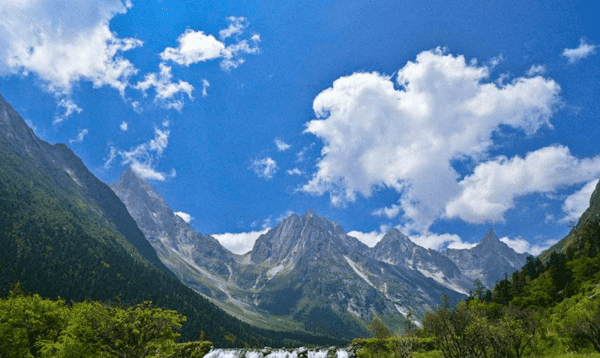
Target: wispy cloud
<point x="145" y="157"/>
<point x="69" y="108"/>
<point x="79" y="137"/>
<point x="281" y="145"/>
<point x="582" y="51"/>
<point x="166" y="89"/>
<point x="124" y="126"/>
<point x="265" y="168"/>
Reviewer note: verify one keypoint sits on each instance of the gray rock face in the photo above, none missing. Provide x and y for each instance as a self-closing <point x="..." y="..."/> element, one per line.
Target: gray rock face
<point x="179" y="247"/>
<point x="306" y="272"/>
<point x="397" y="249"/>
<point x="489" y="261"/>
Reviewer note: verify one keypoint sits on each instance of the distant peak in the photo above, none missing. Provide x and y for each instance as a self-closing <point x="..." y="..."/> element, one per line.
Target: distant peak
<point x="489" y="238"/>
<point x="309" y="214"/>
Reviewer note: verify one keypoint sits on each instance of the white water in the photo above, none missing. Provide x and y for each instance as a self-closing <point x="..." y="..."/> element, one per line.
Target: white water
<point x="275" y="353"/>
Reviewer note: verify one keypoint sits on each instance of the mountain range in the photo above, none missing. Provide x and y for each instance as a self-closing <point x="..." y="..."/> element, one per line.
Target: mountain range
<point x="65" y="233"/>
<point x="308" y="274"/>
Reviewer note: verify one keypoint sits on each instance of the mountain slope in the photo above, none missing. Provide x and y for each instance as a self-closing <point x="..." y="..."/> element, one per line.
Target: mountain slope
<point x="489" y="261"/>
<point x="304" y="275"/>
<point x="585" y="227"/>
<point x="60" y="237"/>
<point x="397" y="249"/>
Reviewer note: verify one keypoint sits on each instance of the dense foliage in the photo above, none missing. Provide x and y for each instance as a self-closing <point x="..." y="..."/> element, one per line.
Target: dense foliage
<point x="548" y="307"/>
<point x="31" y="326"/>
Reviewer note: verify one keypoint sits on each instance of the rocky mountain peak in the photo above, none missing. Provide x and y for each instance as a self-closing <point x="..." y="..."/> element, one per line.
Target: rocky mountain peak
<point x="490" y="240"/>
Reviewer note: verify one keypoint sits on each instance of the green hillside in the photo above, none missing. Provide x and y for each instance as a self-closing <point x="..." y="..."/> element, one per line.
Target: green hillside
<point x="550" y="308"/>
<point x="63" y="235"/>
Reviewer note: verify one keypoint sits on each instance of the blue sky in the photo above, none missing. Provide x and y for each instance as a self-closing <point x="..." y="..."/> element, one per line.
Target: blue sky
<point x="440" y="119"/>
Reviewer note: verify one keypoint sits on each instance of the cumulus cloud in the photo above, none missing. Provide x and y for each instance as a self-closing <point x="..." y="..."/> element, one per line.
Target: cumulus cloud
<point x="265" y="168"/>
<point x="124" y="126"/>
<point x="79" y="137"/>
<point x="196" y="46"/>
<point x="166" y="90"/>
<point x="490" y="191"/>
<point x="575" y="54"/>
<point x="405" y="134"/>
<point x="294" y="171"/>
<point x="144" y="157"/>
<point x="184" y="216"/>
<point x="64" y="42"/>
<point x="239" y="243"/>
<point x="578" y="202"/>
<point x="523" y="246"/>
<point x="281" y="145"/>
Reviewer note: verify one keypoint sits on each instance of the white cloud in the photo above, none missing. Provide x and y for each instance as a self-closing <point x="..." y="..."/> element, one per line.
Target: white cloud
<point x="205" y="85"/>
<point x="281" y="145"/>
<point x="64" y="42"/>
<point x="490" y="191"/>
<point x="536" y="70"/>
<point x="79" y="137"/>
<point x="405" y="135"/>
<point x="459" y="245"/>
<point x="69" y="107"/>
<point x="368" y="238"/>
<point x="523" y="246"/>
<point x="124" y="126"/>
<point x="194" y="47"/>
<point x="236" y="27"/>
<point x="575" y="54"/>
<point x="184" y="216"/>
<point x="265" y="168"/>
<point x="239" y="243"/>
<point x="430" y="240"/>
<point x="578" y="202"/>
<point x="166" y="89"/>
<point x="294" y="171"/>
<point x="144" y="157"/>
<point x="389" y="212"/>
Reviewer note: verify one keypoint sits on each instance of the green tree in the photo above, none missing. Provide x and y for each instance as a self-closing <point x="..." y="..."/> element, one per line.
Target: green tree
<point x="586" y="328"/>
<point x="102" y="330"/>
<point x="25" y="320"/>
<point x="378" y="328"/>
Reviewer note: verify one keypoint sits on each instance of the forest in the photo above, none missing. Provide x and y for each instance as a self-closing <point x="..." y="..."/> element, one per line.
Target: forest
<point x="549" y="308"/>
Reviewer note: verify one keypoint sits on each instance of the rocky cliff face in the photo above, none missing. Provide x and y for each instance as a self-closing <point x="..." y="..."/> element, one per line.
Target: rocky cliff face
<point x="306" y="272"/>
<point x="490" y="261"/>
<point x="397" y="249"/>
